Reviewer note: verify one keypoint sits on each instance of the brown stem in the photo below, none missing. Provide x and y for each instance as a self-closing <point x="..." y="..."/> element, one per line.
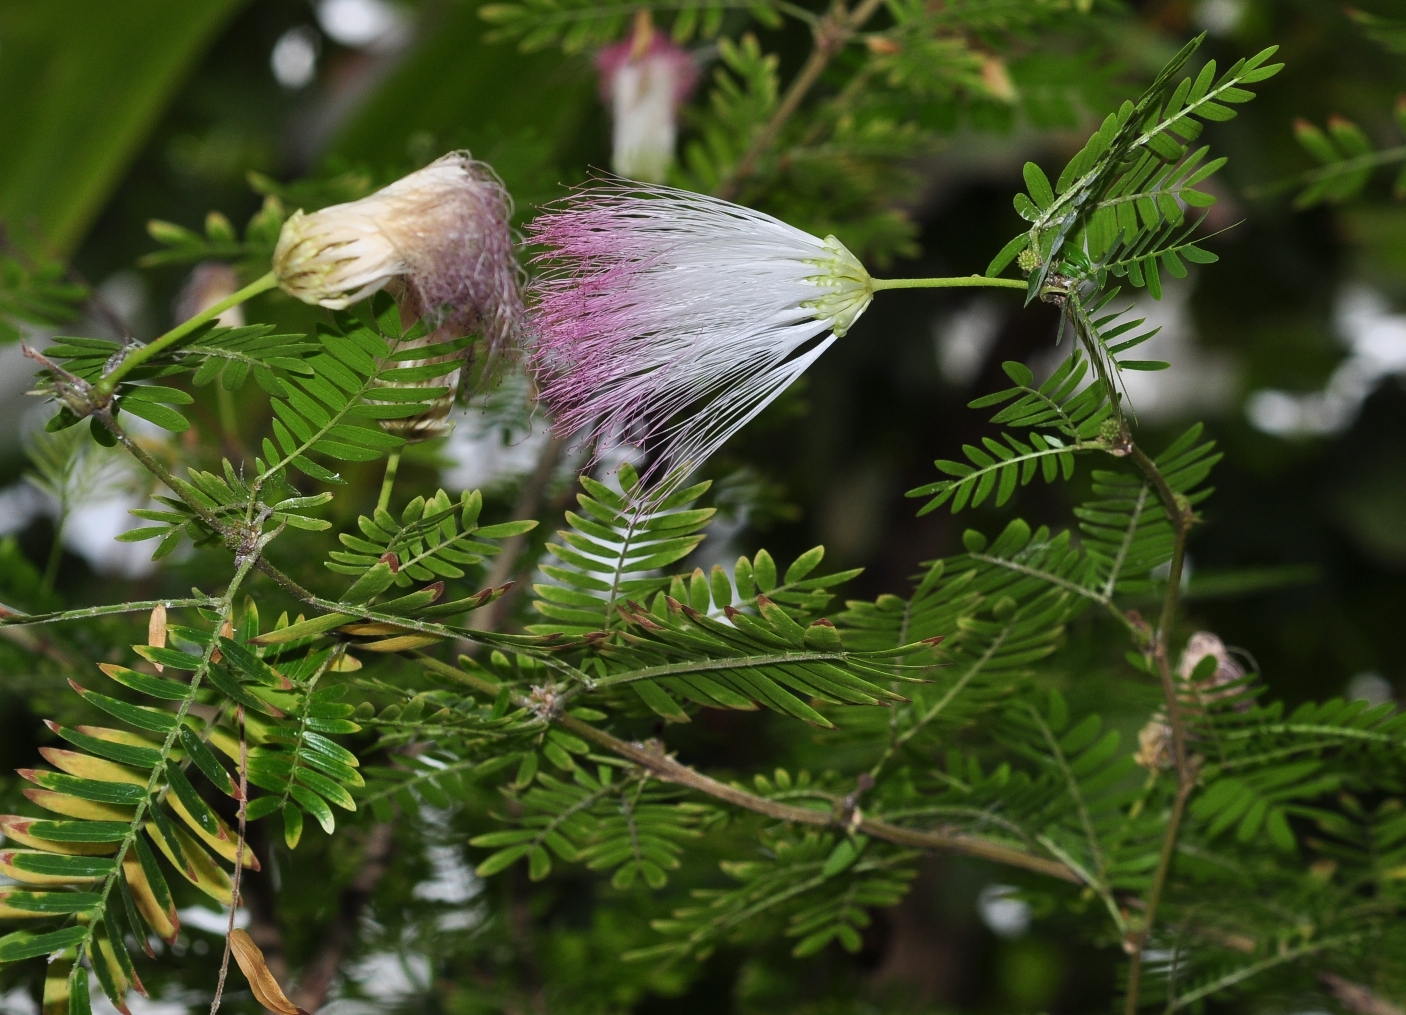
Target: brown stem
<point x="319" y="974"/>
<point x="1181" y="517"/>
<point x="1138" y="940"/>
<point x="496" y="613"/>
<point x="669" y="770"/>
<point x="1358" y="998"/>
<point x="831" y="35"/>
<point x="236" y="899"/>
<point x="288" y="584"/>
<point x="162" y="473"/>
<point x="260" y="898"/>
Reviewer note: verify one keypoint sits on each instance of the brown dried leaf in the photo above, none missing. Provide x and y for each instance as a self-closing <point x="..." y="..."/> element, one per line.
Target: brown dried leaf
<point x="156" y="630"/>
<point x="266" y="989"/>
<point x="226" y="631"/>
<point x="401" y="643"/>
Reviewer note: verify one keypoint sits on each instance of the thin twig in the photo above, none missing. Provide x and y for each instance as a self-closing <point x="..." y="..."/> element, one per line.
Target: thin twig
<point x="208" y="517"/>
<point x="320" y="973"/>
<point x="1358" y="998"/>
<point x="1245" y="972"/>
<point x="234" y="900"/>
<point x="666" y="768"/>
<point x="13" y="618"/>
<point x="505" y="565"/>
<point x="383" y="502"/>
<point x="1180" y="516"/>
<point x="831" y="35"/>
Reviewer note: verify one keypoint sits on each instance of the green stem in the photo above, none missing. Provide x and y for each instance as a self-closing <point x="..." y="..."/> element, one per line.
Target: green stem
<point x="51" y="569"/>
<point x="137" y="357"/>
<point x="955" y="282"/>
<point x="1343" y="168"/>
<point x="228" y="422"/>
<point x="161" y="473"/>
<point x="12" y="618"/>
<point x="383" y="502"/>
<point x="134" y="828"/>
<point x="729" y="663"/>
<point x="1245" y="972"/>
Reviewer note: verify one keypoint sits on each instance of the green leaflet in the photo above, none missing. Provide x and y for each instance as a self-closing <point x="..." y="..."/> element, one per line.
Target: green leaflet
<point x="433" y="539"/>
<point x="1130" y="180"/>
<point x="23" y="944"/>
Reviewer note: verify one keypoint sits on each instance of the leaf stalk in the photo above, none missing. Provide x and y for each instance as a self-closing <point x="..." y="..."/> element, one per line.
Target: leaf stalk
<point x="666" y="768"/>
<point x="954" y="282"/>
<point x="105" y="387"/>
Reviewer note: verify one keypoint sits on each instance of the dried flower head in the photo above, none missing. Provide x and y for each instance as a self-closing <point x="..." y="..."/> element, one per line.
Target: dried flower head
<point x="672" y="319"/>
<point x="1198" y="647"/>
<point x="644" y="80"/>
<point x="443" y="230"/>
<point x="1156" y="751"/>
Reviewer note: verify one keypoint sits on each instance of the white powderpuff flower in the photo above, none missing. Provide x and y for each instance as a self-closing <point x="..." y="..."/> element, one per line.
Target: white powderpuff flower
<point x="644" y="80"/>
<point x="672" y="319"/>
<point x="444" y="230"/>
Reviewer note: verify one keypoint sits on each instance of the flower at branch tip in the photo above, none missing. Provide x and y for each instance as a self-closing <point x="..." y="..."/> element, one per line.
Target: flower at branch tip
<point x="670" y="319"/>
<point x="442" y="230"/>
<point x="644" y="80"/>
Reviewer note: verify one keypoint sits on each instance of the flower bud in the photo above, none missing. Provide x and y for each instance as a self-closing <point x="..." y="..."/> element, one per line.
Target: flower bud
<point x="644" y="79"/>
<point x="848" y="286"/>
<point x="443" y="230"/>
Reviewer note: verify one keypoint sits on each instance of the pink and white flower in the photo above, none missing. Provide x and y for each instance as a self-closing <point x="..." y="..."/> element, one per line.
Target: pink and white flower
<point x="644" y="80"/>
<point x="443" y="231"/>
<point x="671" y="319"/>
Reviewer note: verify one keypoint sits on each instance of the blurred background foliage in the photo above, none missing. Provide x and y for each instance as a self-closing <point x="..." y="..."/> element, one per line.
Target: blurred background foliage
<point x="1293" y="350"/>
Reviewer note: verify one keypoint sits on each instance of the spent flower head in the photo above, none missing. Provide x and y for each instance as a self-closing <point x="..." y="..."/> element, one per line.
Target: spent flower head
<point x="671" y="319"/>
<point x="443" y="230"/>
